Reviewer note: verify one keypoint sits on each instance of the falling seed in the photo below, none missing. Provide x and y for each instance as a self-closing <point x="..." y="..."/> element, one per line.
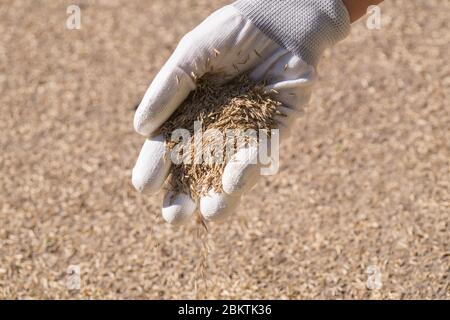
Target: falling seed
<point x="257" y="53"/>
<point x="178" y="79"/>
<point x="217" y="52"/>
<point x="285" y="67"/>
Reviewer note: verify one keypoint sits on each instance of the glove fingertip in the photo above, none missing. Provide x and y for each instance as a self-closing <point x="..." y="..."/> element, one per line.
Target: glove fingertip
<point x="218" y="206"/>
<point x="151" y="168"/>
<point x="241" y="172"/>
<point x="177" y="208"/>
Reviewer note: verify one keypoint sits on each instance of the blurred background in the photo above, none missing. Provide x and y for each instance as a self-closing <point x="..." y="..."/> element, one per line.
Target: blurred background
<point x="359" y="209"/>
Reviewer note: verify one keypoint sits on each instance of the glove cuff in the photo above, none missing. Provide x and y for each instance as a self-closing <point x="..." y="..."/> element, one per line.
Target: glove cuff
<point x="304" y="27"/>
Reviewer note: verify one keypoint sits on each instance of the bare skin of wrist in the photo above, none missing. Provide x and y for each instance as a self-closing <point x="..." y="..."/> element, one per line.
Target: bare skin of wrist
<point x="358" y="8"/>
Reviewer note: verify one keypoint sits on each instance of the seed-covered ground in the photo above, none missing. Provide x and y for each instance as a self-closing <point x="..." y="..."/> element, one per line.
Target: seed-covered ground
<point x="363" y="189"/>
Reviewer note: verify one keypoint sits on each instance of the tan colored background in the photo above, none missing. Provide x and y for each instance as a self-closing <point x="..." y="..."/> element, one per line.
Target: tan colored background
<point x="365" y="179"/>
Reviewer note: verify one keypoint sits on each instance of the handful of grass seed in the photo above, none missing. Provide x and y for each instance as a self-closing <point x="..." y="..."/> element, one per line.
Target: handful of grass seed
<point x="239" y="104"/>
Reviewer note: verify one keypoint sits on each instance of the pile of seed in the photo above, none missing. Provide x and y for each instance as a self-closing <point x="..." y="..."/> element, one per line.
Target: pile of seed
<point x="236" y="105"/>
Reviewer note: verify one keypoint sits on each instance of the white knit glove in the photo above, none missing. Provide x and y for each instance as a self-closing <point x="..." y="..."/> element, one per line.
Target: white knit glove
<point x="227" y="42"/>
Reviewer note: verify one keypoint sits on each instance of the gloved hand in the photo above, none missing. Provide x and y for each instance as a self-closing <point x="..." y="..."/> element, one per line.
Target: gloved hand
<point x="279" y="41"/>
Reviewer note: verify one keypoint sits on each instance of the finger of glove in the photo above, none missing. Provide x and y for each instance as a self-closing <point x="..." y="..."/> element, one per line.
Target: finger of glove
<point x="241" y="172"/>
<point x="216" y="206"/>
<point x="152" y="167"/>
<point x="289" y="81"/>
<point x="245" y="167"/>
<point x="288" y="78"/>
<point x="177" y="207"/>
